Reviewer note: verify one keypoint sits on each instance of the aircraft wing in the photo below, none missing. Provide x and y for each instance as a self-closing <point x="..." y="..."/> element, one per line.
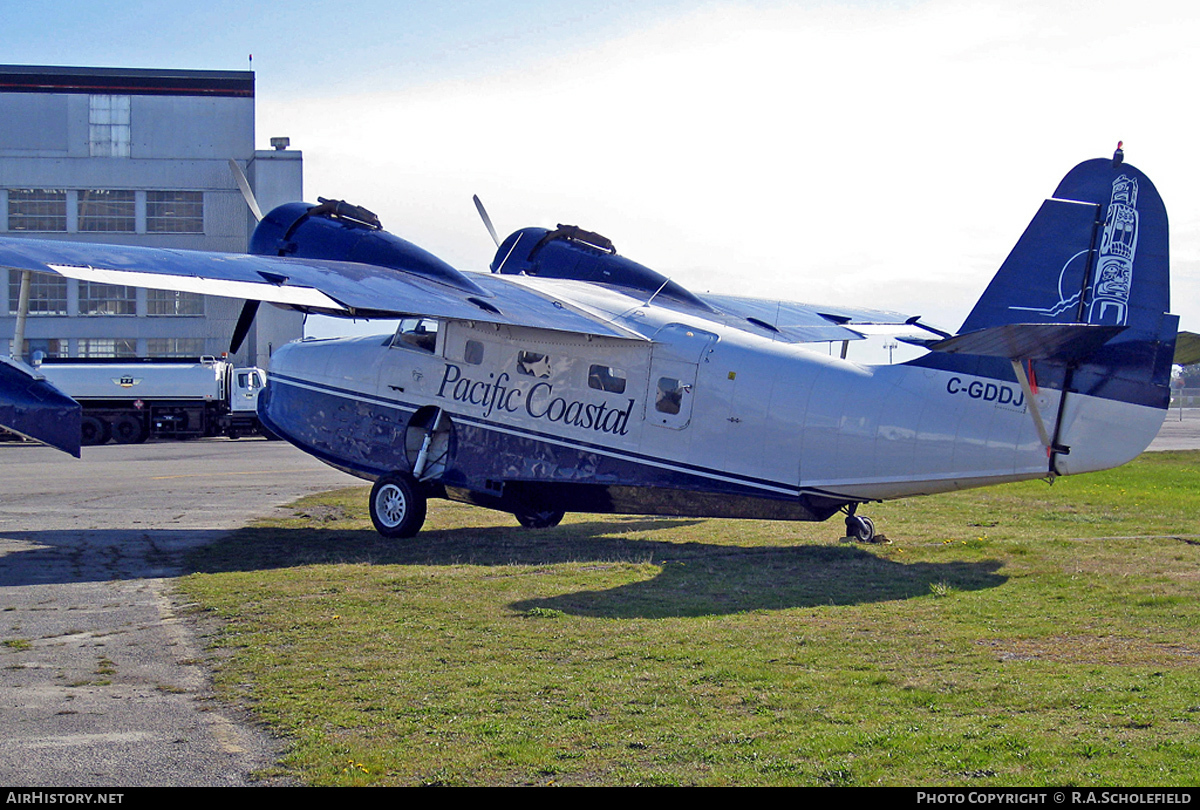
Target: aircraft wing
<point x="340" y="288"/>
<point x="810" y="323"/>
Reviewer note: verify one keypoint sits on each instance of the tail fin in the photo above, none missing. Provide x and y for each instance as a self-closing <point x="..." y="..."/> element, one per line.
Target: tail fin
<point x="1082" y="302"/>
<point x="1095" y="253"/>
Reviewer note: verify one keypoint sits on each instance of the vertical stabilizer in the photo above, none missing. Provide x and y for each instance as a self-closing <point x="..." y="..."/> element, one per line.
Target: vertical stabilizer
<point x="1095" y="253"/>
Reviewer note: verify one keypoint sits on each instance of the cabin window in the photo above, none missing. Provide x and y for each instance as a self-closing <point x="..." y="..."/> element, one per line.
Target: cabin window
<point x="605" y="378"/>
<point x="473" y="353"/>
<point x="416" y="333"/>
<point x="532" y="364"/>
<point x="670" y="395"/>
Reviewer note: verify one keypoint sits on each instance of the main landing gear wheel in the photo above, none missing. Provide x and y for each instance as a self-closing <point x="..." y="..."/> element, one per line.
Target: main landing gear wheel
<point x="546" y="519"/>
<point x="860" y="528"/>
<point x="397" y="506"/>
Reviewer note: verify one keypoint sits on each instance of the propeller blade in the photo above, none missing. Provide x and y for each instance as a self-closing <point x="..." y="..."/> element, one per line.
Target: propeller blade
<point x="244" y="185"/>
<point x="245" y="320"/>
<point x="487" y="221"/>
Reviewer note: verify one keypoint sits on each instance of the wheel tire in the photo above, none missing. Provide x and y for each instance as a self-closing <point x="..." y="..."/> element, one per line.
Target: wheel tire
<point x="93" y="431"/>
<point x="546" y="519"/>
<point x="860" y="528"/>
<point x="397" y="506"/>
<point x="128" y="430"/>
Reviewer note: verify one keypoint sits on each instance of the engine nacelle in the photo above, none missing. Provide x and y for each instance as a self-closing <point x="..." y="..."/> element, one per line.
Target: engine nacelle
<point x="338" y="231"/>
<point x="573" y="253"/>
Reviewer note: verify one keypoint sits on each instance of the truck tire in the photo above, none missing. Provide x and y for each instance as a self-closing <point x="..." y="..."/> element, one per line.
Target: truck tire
<point x="93" y="431"/>
<point x="128" y="429"/>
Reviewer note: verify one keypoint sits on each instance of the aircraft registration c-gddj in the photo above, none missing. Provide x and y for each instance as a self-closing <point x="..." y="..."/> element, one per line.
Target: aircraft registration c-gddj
<point x="573" y="379"/>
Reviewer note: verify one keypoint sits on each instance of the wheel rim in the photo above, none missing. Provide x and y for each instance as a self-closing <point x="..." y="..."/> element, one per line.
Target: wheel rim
<point x="391" y="505"/>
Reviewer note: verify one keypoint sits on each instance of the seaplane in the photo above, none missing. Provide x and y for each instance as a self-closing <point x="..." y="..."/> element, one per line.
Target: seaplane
<point x="570" y="378"/>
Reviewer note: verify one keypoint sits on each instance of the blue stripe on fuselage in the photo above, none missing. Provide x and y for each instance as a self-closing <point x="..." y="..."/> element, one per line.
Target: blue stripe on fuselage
<point x="324" y="423"/>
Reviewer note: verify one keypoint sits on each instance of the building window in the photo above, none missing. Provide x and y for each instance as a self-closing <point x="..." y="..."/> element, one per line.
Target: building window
<point x="107" y="211"/>
<point x="108" y="126"/>
<point x="173" y="302"/>
<point x="174" y="347"/>
<point x="37" y="209"/>
<point x="47" y="293"/>
<point x="107" y="347"/>
<point x="175" y="212"/>
<point x="48" y="347"/>
<point x="106" y="299"/>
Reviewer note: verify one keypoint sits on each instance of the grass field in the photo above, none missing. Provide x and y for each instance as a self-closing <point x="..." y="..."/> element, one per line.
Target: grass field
<point x="1024" y="635"/>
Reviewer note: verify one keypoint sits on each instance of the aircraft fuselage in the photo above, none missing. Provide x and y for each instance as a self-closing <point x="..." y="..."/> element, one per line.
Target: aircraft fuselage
<point x="699" y="420"/>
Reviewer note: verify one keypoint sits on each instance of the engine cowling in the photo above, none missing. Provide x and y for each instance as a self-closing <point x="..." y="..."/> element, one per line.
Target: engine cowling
<point x="338" y="231"/>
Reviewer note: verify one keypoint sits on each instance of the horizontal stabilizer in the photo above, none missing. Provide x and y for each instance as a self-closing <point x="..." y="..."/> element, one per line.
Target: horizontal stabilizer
<point x="1187" y="348"/>
<point x="35" y="409"/>
<point x="1063" y="342"/>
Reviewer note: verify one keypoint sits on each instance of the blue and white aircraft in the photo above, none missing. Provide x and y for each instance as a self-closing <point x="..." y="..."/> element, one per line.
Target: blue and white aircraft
<point x="573" y="379"/>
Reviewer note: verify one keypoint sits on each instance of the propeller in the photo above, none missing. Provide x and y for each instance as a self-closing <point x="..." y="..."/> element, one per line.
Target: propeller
<point x="250" y="308"/>
<point x="244" y="322"/>
<point x="244" y="185"/>
<point x="487" y="221"/>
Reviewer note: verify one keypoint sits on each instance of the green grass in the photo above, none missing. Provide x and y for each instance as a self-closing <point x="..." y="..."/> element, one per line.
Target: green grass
<point x="1022" y="635"/>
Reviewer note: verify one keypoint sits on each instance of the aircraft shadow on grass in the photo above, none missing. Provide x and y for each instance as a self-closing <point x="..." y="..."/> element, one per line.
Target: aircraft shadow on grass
<point x="693" y="578"/>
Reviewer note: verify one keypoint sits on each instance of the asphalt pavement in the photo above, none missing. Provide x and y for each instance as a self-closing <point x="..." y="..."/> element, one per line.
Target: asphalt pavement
<point x="101" y="682"/>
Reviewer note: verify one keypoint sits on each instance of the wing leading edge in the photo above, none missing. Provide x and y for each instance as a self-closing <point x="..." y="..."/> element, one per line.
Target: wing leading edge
<point x="339" y="288"/>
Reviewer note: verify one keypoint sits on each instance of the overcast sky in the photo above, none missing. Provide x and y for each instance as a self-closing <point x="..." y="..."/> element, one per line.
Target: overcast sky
<point x="883" y="154"/>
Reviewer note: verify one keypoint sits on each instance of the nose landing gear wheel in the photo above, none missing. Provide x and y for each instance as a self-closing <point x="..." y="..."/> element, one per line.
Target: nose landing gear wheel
<point x="397" y="506"/>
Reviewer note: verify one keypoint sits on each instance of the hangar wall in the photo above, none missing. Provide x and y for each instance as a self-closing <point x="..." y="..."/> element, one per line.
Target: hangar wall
<point x="135" y="156"/>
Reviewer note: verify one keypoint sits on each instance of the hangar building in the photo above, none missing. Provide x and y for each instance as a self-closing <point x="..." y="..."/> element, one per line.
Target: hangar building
<point x="140" y="157"/>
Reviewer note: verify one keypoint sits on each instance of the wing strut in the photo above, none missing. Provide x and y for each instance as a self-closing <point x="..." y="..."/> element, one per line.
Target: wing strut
<point x="18" y="344"/>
